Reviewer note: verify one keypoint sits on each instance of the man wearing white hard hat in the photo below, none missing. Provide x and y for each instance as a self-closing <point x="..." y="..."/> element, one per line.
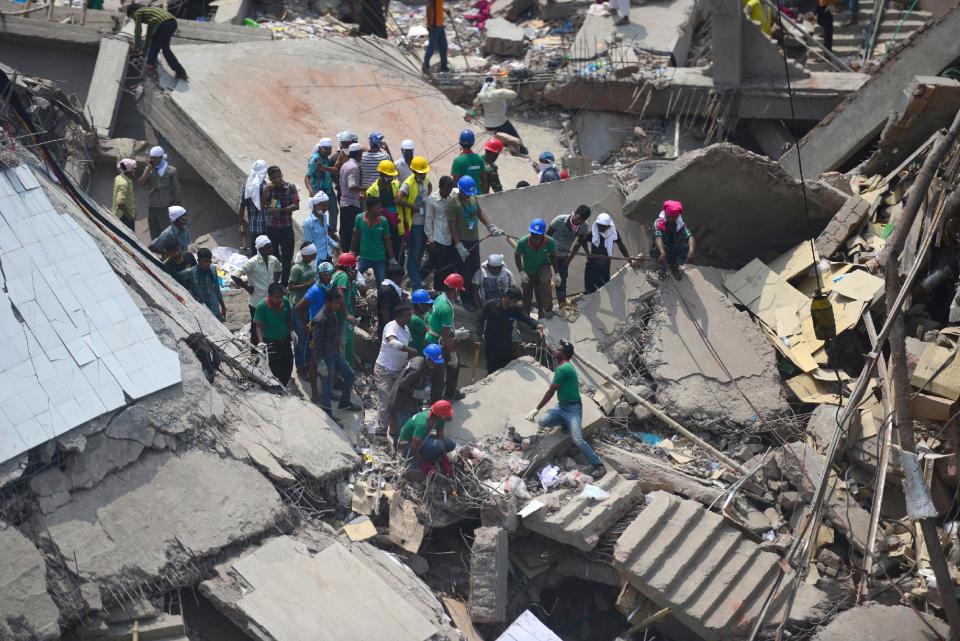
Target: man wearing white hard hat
<point x="160" y="177"/>
<point x="492" y="280"/>
<point x="403" y="165"/>
<point x="317" y="227"/>
<point x="259" y="271"/>
<point x="321" y="173"/>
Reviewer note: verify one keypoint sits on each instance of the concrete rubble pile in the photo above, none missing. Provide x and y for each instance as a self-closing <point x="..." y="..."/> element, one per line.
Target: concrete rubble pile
<point x="769" y="470"/>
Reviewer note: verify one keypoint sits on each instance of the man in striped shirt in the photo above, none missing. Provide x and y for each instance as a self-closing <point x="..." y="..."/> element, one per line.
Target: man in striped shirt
<point x="371" y="159"/>
<point x="161" y="25"/>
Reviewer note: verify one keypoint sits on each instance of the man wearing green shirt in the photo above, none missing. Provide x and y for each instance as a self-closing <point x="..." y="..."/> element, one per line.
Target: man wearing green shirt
<point x="275" y="332"/>
<point x="440" y="330"/>
<point x="536" y="258"/>
<point x="417" y="440"/>
<point x="568" y="413"/>
<point x="422" y="303"/>
<point x="345" y="281"/>
<point x="303" y="275"/>
<point x="161" y="25"/>
<point x="463" y="218"/>
<point x="469" y="163"/>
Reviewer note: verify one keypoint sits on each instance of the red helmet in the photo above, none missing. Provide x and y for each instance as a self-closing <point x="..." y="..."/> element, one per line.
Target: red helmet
<point x="347" y="259"/>
<point x="564" y="174"/>
<point x="442" y="409"/>
<point x="455" y="281"/>
<point x="494" y="145"/>
<point x="672" y="208"/>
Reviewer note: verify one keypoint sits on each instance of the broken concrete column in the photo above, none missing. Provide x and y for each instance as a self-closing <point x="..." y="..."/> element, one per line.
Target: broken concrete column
<point x="488" y="575"/>
<point x="713" y="579"/>
<point x="27" y="613"/>
<point x="503" y="38"/>
<point x="580" y="521"/>
<point x="802" y="466"/>
<point x="109" y="74"/>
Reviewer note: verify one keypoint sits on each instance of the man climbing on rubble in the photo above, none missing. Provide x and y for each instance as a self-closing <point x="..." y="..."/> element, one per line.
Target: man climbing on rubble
<point x="345" y="281"/>
<point x="491" y="151"/>
<point x="412" y="388"/>
<point x="440" y="330"/>
<point x="436" y="229"/>
<point x="303" y="276"/>
<point x="599" y="246"/>
<point x="351" y="192"/>
<point x="201" y="281"/>
<point x="674" y="244"/>
<point x="422" y="303"/>
<point x="469" y="163"/>
<point x="260" y="271"/>
<point x="422" y="439"/>
<point x="275" y="333"/>
<point x="569" y="232"/>
<point x="547" y="168"/>
<point x="437" y="36"/>
<point x="250" y="204"/>
<point x="280" y="199"/>
<point x="395" y="350"/>
<point x="493" y="100"/>
<point x="163" y="184"/>
<point x="389" y="297"/>
<point x="536" y="258"/>
<point x="622" y="8"/>
<point x="161" y="25"/>
<point x="568" y="414"/>
<point x="176" y="230"/>
<point x="321" y="171"/>
<point x="492" y="280"/>
<point x="317" y="230"/>
<point x="124" y="202"/>
<point x="308" y="307"/>
<point x="463" y="217"/>
<point x="412" y="198"/>
<point x="328" y="328"/>
<point x="495" y="328"/>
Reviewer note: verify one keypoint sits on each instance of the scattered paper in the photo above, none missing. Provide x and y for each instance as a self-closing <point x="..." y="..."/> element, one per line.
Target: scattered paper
<point x="360" y="529"/>
<point x="788" y="323"/>
<point x="858" y="285"/>
<point x="679" y="457"/>
<point x="405" y="528"/>
<point x="591" y="491"/>
<point x="550" y="476"/>
<point x="810" y="390"/>
<point x="530" y="508"/>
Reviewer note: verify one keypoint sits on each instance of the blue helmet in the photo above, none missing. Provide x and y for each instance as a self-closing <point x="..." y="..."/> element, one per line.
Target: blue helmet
<point x="538" y="226"/>
<point x="467" y="138"/>
<point x="547" y="156"/>
<point x="434" y="352"/>
<point x="375" y="138"/>
<point x="467" y="186"/>
<point x="421" y="297"/>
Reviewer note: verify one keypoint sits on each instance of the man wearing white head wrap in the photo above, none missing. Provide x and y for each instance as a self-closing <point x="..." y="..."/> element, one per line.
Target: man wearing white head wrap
<point x="175" y="233"/>
<point x="254" y="222"/>
<point x="599" y="248"/>
<point x="124" y="202"/>
<point x="260" y="271"/>
<point x="317" y="227"/>
<point x="493" y="100"/>
<point x="302" y="277"/>
<point x="321" y="171"/>
<point x="161" y="179"/>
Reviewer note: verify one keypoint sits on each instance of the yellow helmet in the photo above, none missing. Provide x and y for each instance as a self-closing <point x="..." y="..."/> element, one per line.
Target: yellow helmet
<point x="387" y="167"/>
<point x="419" y="165"/>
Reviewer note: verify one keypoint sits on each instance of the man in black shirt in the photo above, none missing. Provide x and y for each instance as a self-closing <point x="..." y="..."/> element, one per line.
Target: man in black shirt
<point x="495" y="327"/>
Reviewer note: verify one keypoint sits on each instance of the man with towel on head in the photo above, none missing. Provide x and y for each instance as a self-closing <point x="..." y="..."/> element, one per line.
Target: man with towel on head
<point x="160" y="177"/>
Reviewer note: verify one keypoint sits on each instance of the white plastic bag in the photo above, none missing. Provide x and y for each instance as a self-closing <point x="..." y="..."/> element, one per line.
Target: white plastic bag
<point x="550" y="476"/>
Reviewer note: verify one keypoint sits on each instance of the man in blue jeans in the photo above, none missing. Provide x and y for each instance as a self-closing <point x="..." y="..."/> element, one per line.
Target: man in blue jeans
<point x="568" y="413"/>
<point x="327" y="341"/>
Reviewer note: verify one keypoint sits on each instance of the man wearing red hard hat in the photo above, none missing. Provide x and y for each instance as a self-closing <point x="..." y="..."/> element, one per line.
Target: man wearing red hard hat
<point x="441" y="330"/>
<point x="422" y="439"/>
<point x="674" y="243"/>
<point x="491" y="151"/>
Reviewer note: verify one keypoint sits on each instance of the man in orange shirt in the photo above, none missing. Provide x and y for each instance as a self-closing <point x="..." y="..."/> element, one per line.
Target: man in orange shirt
<point x="438" y="36"/>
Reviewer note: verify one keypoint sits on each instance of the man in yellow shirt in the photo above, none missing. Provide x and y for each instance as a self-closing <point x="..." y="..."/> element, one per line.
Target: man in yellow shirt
<point x="124" y="203"/>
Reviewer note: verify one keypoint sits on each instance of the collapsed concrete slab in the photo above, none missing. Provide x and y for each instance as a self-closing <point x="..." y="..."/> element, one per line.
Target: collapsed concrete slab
<point x="579" y="521"/>
<point x="27" y="613"/>
<point x="862" y="115"/>
<point x="690" y="380"/>
<point x="109" y="74"/>
<point x="503" y="38"/>
<point x="317" y="589"/>
<point x="875" y="622"/>
<point x="600" y="133"/>
<point x="160" y="513"/>
<point x="665" y="28"/>
<point x="740" y="205"/>
<point x="488" y="575"/>
<point x="714" y="580"/>
<point x="512" y="210"/>
<point x="504" y="398"/>
<point x="802" y="466"/>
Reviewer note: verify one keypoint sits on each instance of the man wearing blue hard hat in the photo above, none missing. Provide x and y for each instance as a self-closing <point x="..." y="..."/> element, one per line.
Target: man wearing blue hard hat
<point x="547" y="168"/>
<point x="411" y="389"/>
<point x="464" y="217"/>
<point x="536" y="258"/>
<point x="422" y="303"/>
<point x="469" y="163"/>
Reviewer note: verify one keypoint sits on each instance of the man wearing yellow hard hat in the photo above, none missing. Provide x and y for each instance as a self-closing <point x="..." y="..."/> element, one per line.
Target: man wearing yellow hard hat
<point x="412" y="198"/>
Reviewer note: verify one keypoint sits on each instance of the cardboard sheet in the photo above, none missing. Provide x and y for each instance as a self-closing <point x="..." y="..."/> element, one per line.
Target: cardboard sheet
<point x="405" y="528"/>
<point x="360" y="529"/>
<point x="858" y="285"/>
<point x="794" y="262"/>
<point x="947" y="382"/>
<point x="810" y="390"/>
<point x="527" y="627"/>
<point x="461" y="618"/>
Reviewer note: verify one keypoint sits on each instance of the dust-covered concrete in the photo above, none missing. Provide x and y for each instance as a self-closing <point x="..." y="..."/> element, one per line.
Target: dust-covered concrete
<point x="27" y="613"/>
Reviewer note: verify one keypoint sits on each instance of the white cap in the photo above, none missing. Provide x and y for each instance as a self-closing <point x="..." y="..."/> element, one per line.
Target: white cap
<point x="319" y="197"/>
<point x="495" y="260"/>
<point x="325" y="142"/>
<point x="309" y="250"/>
<point x="175" y="212"/>
<point x="347" y="136"/>
<point x="157" y="152"/>
<point x="604" y="219"/>
<point x="261" y="242"/>
<point x="355" y="147"/>
<point x="406" y="144"/>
